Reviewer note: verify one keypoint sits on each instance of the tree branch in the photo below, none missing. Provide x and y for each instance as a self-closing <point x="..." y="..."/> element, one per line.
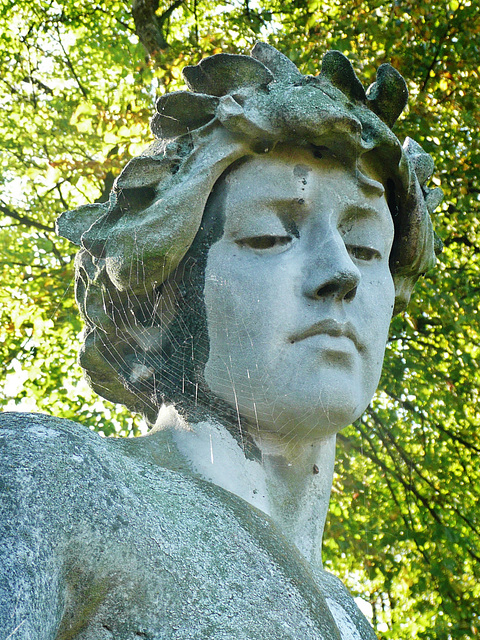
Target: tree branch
<point x="385" y="435"/>
<point x="24" y="264"/>
<point x="409" y="407"/>
<point x="107" y="187"/>
<point x="60" y="195"/>
<point x="70" y="66"/>
<point x="447" y="33"/>
<point x="408" y="486"/>
<point x="373" y="456"/>
<point x="460" y="240"/>
<point x="410" y="463"/>
<point x="61" y="259"/>
<point x="30" y="79"/>
<point x="26" y="220"/>
<point x="149" y="27"/>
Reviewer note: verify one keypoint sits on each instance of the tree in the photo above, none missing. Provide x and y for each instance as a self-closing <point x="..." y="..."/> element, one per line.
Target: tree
<point x="77" y="88"/>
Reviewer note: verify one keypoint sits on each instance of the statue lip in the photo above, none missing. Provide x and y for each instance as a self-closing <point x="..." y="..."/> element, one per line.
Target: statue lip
<point x="330" y="327"/>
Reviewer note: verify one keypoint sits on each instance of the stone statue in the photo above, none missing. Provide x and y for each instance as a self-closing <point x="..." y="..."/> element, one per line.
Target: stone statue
<point x="237" y="290"/>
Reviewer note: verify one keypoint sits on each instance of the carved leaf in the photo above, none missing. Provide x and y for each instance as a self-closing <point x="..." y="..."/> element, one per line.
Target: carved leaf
<point x="278" y="64"/>
<point x="179" y="112"/>
<point x="388" y="96"/>
<point x="226" y="73"/>
<point x="338" y="69"/>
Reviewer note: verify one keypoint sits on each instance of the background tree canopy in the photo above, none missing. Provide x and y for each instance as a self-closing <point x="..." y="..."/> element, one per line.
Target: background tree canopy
<point x="77" y="87"/>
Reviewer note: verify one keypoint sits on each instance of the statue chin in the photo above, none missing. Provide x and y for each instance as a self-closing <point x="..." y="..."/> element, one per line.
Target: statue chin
<point x="304" y="415"/>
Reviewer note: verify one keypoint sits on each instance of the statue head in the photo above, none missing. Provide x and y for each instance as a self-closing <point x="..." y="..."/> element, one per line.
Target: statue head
<point x="256" y="170"/>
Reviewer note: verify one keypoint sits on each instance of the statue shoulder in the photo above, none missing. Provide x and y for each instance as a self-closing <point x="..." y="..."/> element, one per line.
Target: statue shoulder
<point x="24" y="434"/>
<point x="350" y="620"/>
<point x="86" y="526"/>
<point x="66" y="477"/>
<point x="34" y="449"/>
<point x="79" y="518"/>
<point x="42" y="458"/>
<point x="67" y="472"/>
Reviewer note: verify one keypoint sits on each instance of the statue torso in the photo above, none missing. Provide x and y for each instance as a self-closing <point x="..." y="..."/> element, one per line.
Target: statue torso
<point x="100" y="542"/>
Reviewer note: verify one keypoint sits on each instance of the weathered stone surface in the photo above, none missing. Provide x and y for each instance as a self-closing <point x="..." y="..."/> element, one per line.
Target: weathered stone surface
<point x="245" y="269"/>
<point x="109" y="539"/>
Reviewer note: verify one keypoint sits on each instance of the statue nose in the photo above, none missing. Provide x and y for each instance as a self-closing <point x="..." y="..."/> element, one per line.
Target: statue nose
<point x="332" y="273"/>
<point x="343" y="285"/>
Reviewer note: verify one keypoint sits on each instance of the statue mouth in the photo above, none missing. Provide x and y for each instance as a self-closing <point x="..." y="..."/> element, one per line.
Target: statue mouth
<point x="330" y="327"/>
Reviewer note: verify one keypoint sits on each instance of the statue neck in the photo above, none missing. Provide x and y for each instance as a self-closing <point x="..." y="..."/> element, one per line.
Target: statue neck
<point x="290" y="482"/>
<point x="299" y="482"/>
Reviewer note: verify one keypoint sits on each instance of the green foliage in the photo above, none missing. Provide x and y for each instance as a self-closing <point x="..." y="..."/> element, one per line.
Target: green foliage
<point x="77" y="89"/>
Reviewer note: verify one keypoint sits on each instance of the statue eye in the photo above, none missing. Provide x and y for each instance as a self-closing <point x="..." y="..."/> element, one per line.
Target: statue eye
<point x="366" y="254"/>
<point x="263" y="243"/>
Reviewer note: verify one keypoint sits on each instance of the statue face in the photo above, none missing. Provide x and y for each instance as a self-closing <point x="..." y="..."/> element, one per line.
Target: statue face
<point x="298" y="293"/>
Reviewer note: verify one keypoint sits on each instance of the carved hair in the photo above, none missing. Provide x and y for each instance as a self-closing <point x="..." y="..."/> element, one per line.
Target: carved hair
<point x="134" y="247"/>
